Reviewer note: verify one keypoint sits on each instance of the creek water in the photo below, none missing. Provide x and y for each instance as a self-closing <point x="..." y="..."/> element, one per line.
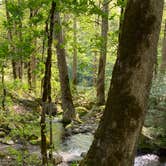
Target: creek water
<point x="73" y="146"/>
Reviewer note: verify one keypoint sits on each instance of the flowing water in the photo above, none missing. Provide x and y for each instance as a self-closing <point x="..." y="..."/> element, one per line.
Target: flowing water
<point x="72" y="148"/>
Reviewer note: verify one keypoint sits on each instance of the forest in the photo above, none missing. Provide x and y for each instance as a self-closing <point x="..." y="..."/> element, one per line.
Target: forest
<point x="82" y="82"/>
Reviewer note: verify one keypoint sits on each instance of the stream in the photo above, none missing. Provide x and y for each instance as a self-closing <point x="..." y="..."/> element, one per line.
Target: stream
<point x="79" y="143"/>
<point x="73" y="147"/>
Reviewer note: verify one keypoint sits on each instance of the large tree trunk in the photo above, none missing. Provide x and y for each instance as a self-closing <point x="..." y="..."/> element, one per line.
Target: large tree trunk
<point x="116" y="137"/>
<point x="122" y="10"/>
<point x="74" y="73"/>
<point x="102" y="60"/>
<point x="67" y="103"/>
<point x="163" y="62"/>
<point x="47" y="85"/>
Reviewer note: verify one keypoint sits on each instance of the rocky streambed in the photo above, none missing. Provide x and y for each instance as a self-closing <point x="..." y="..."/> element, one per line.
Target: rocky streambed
<point x="72" y="144"/>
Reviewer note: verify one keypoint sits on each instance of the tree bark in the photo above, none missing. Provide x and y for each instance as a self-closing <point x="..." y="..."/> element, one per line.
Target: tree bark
<point x="103" y="53"/>
<point x="74" y="73"/>
<point x="32" y="59"/>
<point x="67" y="102"/>
<point x="47" y="84"/>
<point x="163" y="62"/>
<point x="116" y="137"/>
<point x="122" y="10"/>
<point x="3" y="87"/>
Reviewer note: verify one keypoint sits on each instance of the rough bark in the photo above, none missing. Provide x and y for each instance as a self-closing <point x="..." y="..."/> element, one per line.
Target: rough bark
<point x="116" y="137"/>
<point x="163" y="62"/>
<point x="67" y="102"/>
<point x="32" y="59"/>
<point x="47" y="86"/>
<point x="103" y="53"/>
<point x="122" y="10"/>
<point x="74" y="73"/>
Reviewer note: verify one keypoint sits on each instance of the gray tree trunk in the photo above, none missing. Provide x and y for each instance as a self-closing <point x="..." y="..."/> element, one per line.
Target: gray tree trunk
<point x="103" y="53"/>
<point x="116" y="137"/>
<point x="67" y="102"/>
<point x="74" y="73"/>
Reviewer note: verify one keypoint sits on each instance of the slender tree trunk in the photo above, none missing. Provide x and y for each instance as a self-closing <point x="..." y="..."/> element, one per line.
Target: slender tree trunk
<point x="14" y="68"/>
<point x="102" y="60"/>
<point x="74" y="73"/>
<point x="96" y="26"/>
<point x="3" y="87"/>
<point x="20" y="63"/>
<point x="95" y="67"/>
<point x="10" y="40"/>
<point x="47" y="86"/>
<point x="163" y="62"/>
<point x="67" y="102"/>
<point x="32" y="59"/>
<point x="116" y="137"/>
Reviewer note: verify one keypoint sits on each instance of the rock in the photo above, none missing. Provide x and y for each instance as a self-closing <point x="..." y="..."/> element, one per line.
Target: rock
<point x="2" y="155"/>
<point x="63" y="164"/>
<point x="9" y="142"/>
<point x="83" y="154"/>
<point x="2" y="134"/>
<point x="32" y="137"/>
<point x="70" y="157"/>
<point x="147" y="160"/>
<point x="57" y="158"/>
<point x="81" y="111"/>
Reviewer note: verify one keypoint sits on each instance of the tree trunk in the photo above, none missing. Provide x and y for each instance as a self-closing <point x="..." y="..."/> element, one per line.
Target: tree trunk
<point x="102" y="60"/>
<point x="116" y="137"/>
<point x="47" y="85"/>
<point x="96" y="26"/>
<point x="18" y="30"/>
<point x="122" y="10"/>
<point x="67" y="102"/>
<point x="32" y="59"/>
<point x="163" y="62"/>
<point x="74" y="74"/>
<point x="14" y="69"/>
<point x="3" y="87"/>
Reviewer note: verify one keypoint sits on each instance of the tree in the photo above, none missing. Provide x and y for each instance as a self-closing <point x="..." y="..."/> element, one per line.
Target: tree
<point x="47" y="83"/>
<point x="103" y="53"/>
<point x="10" y="38"/>
<point x="117" y="135"/>
<point x="67" y="102"/>
<point x="74" y="74"/>
<point x="32" y="58"/>
<point x="163" y="63"/>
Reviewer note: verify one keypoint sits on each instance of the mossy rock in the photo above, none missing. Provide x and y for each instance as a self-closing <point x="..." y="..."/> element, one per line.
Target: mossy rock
<point x="146" y="140"/>
<point x="38" y="141"/>
<point x="32" y="137"/>
<point x="81" y="111"/>
<point x="2" y="134"/>
<point x="3" y="155"/>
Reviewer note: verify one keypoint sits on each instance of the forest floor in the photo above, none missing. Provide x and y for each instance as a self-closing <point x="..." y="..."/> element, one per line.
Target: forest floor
<point x="20" y="130"/>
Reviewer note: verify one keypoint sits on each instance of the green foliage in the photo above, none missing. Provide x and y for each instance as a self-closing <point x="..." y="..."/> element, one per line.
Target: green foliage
<point x="155" y="118"/>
